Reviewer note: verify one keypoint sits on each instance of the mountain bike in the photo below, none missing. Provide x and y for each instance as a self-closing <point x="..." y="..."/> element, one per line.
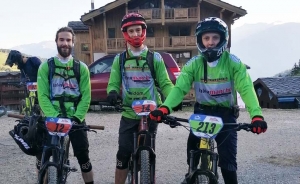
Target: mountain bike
<point x="55" y="165"/>
<point x="28" y="106"/>
<point x="143" y="158"/>
<point x="206" y="128"/>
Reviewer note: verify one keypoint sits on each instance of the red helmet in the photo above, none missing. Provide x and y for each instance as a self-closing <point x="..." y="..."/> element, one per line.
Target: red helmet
<point x="134" y="19"/>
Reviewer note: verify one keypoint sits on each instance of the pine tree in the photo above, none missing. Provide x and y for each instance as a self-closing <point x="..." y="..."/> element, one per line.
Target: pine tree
<point x="295" y="70"/>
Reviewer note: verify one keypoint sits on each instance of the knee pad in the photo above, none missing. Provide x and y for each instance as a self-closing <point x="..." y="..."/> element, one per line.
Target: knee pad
<point x="84" y="162"/>
<point x="122" y="159"/>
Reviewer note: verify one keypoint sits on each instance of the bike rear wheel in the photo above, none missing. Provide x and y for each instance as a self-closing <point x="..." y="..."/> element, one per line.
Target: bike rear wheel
<point x="145" y="167"/>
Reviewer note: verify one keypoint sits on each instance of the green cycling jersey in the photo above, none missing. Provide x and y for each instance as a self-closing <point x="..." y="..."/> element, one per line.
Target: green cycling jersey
<point x="224" y="77"/>
<point x="136" y="81"/>
<point x="64" y="84"/>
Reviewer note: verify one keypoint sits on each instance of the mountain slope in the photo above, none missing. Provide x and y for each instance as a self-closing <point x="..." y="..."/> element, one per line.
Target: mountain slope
<point x="268" y="51"/>
<point x="44" y="49"/>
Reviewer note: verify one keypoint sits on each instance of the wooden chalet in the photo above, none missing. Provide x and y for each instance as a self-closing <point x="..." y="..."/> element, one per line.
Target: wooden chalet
<point x="171" y="25"/>
<point x="278" y="92"/>
<point x="10" y="96"/>
<point x="81" y="50"/>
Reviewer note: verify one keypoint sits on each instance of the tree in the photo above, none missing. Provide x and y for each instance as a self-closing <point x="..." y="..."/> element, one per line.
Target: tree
<point x="295" y="70"/>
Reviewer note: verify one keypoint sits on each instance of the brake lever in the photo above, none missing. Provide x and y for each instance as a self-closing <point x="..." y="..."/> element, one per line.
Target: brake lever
<point x="92" y="131"/>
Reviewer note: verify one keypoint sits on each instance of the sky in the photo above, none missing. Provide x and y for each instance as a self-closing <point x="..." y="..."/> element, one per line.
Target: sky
<point x="33" y="21"/>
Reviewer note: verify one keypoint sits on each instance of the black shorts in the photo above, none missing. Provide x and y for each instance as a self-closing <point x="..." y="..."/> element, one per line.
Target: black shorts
<point x="126" y="130"/>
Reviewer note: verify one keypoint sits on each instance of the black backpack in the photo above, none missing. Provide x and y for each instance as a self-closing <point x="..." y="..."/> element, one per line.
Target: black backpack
<point x="149" y="61"/>
<point x="75" y="68"/>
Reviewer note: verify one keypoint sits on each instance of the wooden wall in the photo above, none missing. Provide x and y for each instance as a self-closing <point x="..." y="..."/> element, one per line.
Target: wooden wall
<point x="82" y="37"/>
<point x="264" y="99"/>
<point x="113" y="20"/>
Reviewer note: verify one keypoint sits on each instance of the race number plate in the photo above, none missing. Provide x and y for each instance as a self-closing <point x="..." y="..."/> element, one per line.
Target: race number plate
<point x="58" y="126"/>
<point x="143" y="107"/>
<point x="205" y="126"/>
<point x="31" y="86"/>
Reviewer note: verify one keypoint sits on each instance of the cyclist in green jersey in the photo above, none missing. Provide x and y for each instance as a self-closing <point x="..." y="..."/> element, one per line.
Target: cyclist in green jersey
<point x="216" y="75"/>
<point x="63" y="94"/>
<point x="137" y="84"/>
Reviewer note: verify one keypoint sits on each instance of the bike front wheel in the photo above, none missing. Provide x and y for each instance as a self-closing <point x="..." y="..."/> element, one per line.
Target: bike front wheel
<point x="50" y="176"/>
<point x="66" y="163"/>
<point x="145" y="167"/>
<point x="203" y="177"/>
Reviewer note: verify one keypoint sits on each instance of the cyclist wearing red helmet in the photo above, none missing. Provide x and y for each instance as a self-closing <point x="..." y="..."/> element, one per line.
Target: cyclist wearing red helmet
<point x="127" y="71"/>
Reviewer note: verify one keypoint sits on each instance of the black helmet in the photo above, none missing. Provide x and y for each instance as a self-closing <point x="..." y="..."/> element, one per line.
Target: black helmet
<point x="21" y="129"/>
<point x="212" y="24"/>
<point x="14" y="57"/>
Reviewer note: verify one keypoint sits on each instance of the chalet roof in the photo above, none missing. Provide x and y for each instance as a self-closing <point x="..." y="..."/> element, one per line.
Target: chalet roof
<point x="109" y="6"/>
<point x="281" y="86"/>
<point x="78" y="26"/>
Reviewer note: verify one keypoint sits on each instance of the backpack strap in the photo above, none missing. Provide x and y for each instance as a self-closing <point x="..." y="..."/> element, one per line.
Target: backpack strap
<point x="52" y="66"/>
<point x="76" y="70"/>
<point x="149" y="61"/>
<point x="122" y="59"/>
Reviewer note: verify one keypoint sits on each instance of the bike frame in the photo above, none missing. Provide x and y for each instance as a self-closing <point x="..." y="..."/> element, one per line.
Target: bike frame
<point x="139" y="145"/>
<point x="208" y="158"/>
<point x="29" y="102"/>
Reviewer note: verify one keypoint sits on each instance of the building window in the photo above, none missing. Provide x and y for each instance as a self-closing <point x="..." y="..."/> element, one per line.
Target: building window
<point x="150" y="32"/>
<point x="185" y="55"/>
<point x="111" y="32"/>
<point x="180" y="31"/>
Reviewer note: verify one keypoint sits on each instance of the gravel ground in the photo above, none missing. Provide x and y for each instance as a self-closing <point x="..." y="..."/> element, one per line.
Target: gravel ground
<point x="270" y="158"/>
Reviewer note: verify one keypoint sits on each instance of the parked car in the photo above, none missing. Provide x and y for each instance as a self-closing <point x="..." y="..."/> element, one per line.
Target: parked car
<point x="100" y="72"/>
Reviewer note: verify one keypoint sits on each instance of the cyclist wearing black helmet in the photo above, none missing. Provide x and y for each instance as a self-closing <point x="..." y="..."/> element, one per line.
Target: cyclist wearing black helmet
<point x="28" y="66"/>
<point x="216" y="75"/>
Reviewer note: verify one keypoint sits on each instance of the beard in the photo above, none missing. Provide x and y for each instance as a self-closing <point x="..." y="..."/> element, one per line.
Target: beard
<point x="64" y="51"/>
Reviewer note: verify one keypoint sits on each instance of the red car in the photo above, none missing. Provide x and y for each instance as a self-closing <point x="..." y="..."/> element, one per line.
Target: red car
<point x="100" y="72"/>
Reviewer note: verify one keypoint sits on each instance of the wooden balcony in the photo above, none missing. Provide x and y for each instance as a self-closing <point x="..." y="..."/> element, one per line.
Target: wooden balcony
<point x="174" y="43"/>
<point x="171" y="15"/>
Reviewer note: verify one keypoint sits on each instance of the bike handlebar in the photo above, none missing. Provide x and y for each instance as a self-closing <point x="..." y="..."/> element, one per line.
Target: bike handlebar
<point x="173" y="121"/>
<point x="75" y="126"/>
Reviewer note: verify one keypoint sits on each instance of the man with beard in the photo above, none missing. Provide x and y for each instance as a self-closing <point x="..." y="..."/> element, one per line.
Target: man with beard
<point x="28" y="66"/>
<point x="62" y="95"/>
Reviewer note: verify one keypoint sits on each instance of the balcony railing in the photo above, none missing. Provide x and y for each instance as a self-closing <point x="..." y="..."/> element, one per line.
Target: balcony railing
<point x="174" y="14"/>
<point x="157" y="43"/>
